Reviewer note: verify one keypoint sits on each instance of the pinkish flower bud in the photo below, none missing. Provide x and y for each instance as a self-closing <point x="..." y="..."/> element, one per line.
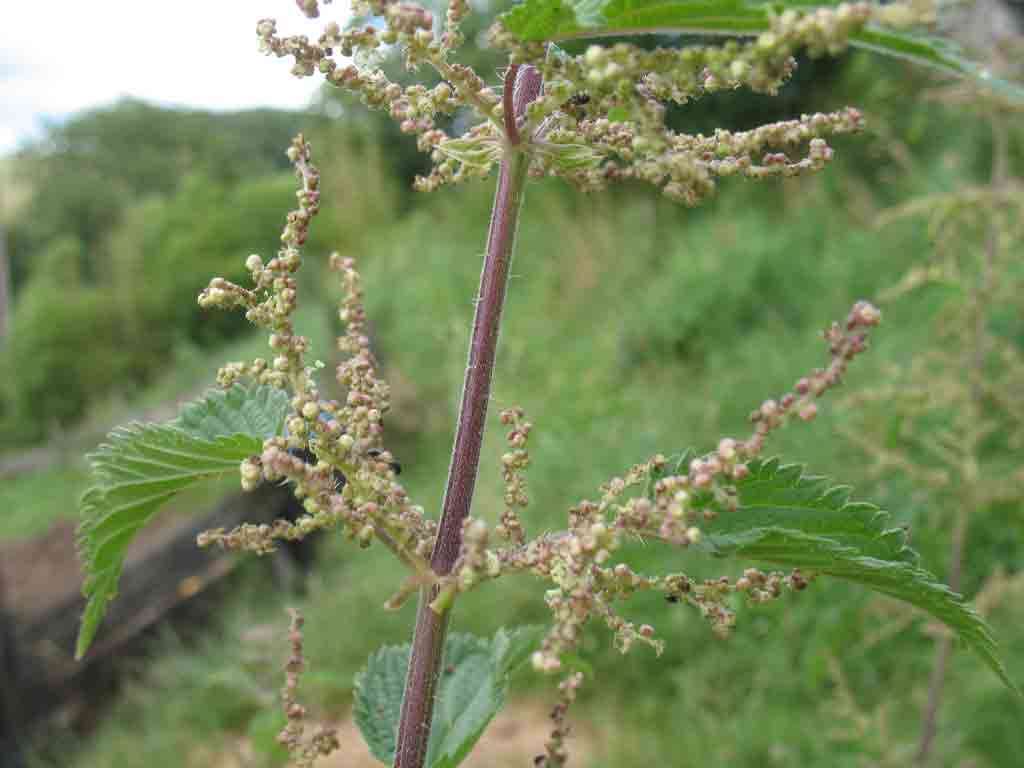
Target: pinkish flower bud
<point x="865" y="313"/>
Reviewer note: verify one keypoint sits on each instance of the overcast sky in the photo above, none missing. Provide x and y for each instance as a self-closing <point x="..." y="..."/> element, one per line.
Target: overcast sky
<point x="66" y="55"/>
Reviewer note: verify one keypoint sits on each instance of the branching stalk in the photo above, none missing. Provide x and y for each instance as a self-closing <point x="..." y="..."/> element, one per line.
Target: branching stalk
<point x="521" y="86"/>
<point x="929" y="726"/>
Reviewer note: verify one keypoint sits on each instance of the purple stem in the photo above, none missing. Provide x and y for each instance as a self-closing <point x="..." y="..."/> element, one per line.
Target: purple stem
<point x="522" y="85"/>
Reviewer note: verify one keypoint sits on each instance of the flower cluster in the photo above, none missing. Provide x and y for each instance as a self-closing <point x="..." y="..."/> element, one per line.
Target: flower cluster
<point x="671" y="511"/>
<point x="303" y="752"/>
<point x="555" y="752"/>
<point x="576" y="561"/>
<point x="592" y="119"/>
<point x="414" y="107"/>
<point x="600" y="116"/>
<point x="344" y="438"/>
<point x="334" y="455"/>
<point x="617" y="130"/>
<point x="271" y="302"/>
<point x="513" y="466"/>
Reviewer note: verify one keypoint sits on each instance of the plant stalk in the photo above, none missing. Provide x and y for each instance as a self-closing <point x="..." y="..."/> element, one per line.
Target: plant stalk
<point x="976" y="369"/>
<point x="522" y="85"/>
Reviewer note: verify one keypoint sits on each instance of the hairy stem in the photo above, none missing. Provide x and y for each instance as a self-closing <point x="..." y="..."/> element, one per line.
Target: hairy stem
<point x="509" y="107"/>
<point x="521" y="86"/>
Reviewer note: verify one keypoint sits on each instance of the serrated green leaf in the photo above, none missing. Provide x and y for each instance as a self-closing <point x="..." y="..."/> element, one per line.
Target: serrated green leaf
<point x="142" y="466"/>
<point x="470" y="693"/>
<point x="935" y="52"/>
<point x="795" y="520"/>
<point x="377" y="704"/>
<point x="542" y="20"/>
<point x="464" y="708"/>
<point x="471" y="690"/>
<point x="554" y="20"/>
<point x="254" y="411"/>
<point x="776" y="496"/>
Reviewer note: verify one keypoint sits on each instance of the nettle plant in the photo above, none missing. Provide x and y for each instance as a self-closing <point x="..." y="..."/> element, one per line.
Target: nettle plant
<point x="952" y="419"/>
<point x="592" y="118"/>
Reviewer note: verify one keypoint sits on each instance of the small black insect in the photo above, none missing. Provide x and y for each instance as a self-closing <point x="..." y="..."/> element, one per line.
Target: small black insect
<point x="310" y="458"/>
<point x="575" y="102"/>
<point x="672" y="598"/>
<point x="395" y="466"/>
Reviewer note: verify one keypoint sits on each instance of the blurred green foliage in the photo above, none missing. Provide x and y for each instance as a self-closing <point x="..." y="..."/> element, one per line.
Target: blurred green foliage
<point x="132" y="210"/>
<point x="86" y="171"/>
<point x="50" y="381"/>
<point x="33" y="501"/>
<point x="633" y="327"/>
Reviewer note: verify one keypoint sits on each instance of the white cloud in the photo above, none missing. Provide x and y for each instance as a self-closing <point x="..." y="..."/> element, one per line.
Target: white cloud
<point x="61" y="57"/>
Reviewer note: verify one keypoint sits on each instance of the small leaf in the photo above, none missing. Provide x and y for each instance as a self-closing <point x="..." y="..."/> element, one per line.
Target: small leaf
<point x="554" y="20"/>
<point x="570" y="157"/>
<point x="468" y="702"/>
<point x="470" y="693"/>
<point x="142" y="466"/>
<point x="795" y="520"/>
<point x="378" y="700"/>
<point x="477" y="152"/>
<point x="256" y="411"/>
<point x="471" y="690"/>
